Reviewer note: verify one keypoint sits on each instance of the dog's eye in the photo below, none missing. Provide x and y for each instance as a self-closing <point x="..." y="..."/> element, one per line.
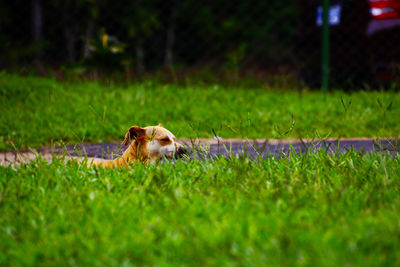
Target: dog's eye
<point x="165" y="139"/>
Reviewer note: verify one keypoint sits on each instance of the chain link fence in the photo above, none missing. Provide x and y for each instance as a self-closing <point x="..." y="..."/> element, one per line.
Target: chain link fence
<point x="210" y="40"/>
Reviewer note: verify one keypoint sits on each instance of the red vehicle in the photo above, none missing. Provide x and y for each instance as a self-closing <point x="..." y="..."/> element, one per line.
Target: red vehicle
<point x="385" y="14"/>
<point x="385" y="9"/>
<point x="364" y="43"/>
<point x="383" y="33"/>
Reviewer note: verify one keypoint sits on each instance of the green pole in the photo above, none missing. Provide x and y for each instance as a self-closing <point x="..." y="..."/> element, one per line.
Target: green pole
<point x="325" y="45"/>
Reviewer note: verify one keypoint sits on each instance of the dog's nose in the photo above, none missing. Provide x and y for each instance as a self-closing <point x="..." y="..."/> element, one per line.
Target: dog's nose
<point x="180" y="151"/>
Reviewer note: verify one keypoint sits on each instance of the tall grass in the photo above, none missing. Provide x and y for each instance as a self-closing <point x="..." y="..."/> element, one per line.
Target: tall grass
<point x="38" y="111"/>
<point x="316" y="209"/>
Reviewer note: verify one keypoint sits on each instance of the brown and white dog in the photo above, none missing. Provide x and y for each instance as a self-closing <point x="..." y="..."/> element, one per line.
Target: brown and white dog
<point x="148" y="144"/>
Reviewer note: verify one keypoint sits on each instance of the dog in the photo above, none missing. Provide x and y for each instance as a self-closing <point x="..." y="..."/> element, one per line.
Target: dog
<point x="146" y="145"/>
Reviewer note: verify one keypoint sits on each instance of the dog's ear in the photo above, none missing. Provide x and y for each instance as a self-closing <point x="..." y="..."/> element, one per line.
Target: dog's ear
<point x="132" y="133"/>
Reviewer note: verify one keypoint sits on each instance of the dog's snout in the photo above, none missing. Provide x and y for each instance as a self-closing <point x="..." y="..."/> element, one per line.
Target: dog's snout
<point x="180" y="151"/>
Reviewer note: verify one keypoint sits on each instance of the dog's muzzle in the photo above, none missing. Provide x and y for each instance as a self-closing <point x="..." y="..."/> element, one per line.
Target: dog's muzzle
<point x="180" y="152"/>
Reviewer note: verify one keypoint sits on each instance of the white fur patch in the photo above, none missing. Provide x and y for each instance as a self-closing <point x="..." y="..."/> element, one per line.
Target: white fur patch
<point x="158" y="150"/>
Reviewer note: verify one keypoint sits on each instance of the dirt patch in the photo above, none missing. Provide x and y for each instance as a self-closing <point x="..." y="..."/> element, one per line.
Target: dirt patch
<point x="17" y="158"/>
<point x="209" y="147"/>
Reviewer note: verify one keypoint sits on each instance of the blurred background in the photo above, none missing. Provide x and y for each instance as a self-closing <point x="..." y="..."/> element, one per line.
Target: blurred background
<point x="209" y="41"/>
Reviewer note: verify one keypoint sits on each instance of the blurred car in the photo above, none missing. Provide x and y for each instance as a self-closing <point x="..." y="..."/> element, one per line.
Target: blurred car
<point x="364" y="38"/>
<point x="384" y="9"/>
<point x="383" y="32"/>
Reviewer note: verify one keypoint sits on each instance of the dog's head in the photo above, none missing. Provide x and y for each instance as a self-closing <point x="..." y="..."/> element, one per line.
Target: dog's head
<point x="154" y="142"/>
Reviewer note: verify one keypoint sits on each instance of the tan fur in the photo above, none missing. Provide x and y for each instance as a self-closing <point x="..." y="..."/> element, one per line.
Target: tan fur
<point x="145" y="145"/>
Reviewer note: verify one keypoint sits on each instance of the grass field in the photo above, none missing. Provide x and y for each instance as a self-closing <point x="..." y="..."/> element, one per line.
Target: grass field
<point x="38" y="111"/>
<point x="305" y="210"/>
<point x="316" y="210"/>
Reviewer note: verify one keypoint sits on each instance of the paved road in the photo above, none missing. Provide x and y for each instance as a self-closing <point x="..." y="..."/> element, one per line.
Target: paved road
<point x="238" y="147"/>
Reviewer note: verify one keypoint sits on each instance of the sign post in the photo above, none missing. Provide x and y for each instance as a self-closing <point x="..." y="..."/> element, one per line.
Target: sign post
<point x="325" y="45"/>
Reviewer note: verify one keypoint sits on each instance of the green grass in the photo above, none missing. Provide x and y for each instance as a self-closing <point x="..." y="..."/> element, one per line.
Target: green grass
<point x="38" y="111"/>
<point x="313" y="210"/>
<point x="316" y="210"/>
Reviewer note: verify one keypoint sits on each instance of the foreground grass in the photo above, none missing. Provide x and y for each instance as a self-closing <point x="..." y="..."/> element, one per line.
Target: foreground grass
<point x="311" y="210"/>
<point x="37" y="111"/>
